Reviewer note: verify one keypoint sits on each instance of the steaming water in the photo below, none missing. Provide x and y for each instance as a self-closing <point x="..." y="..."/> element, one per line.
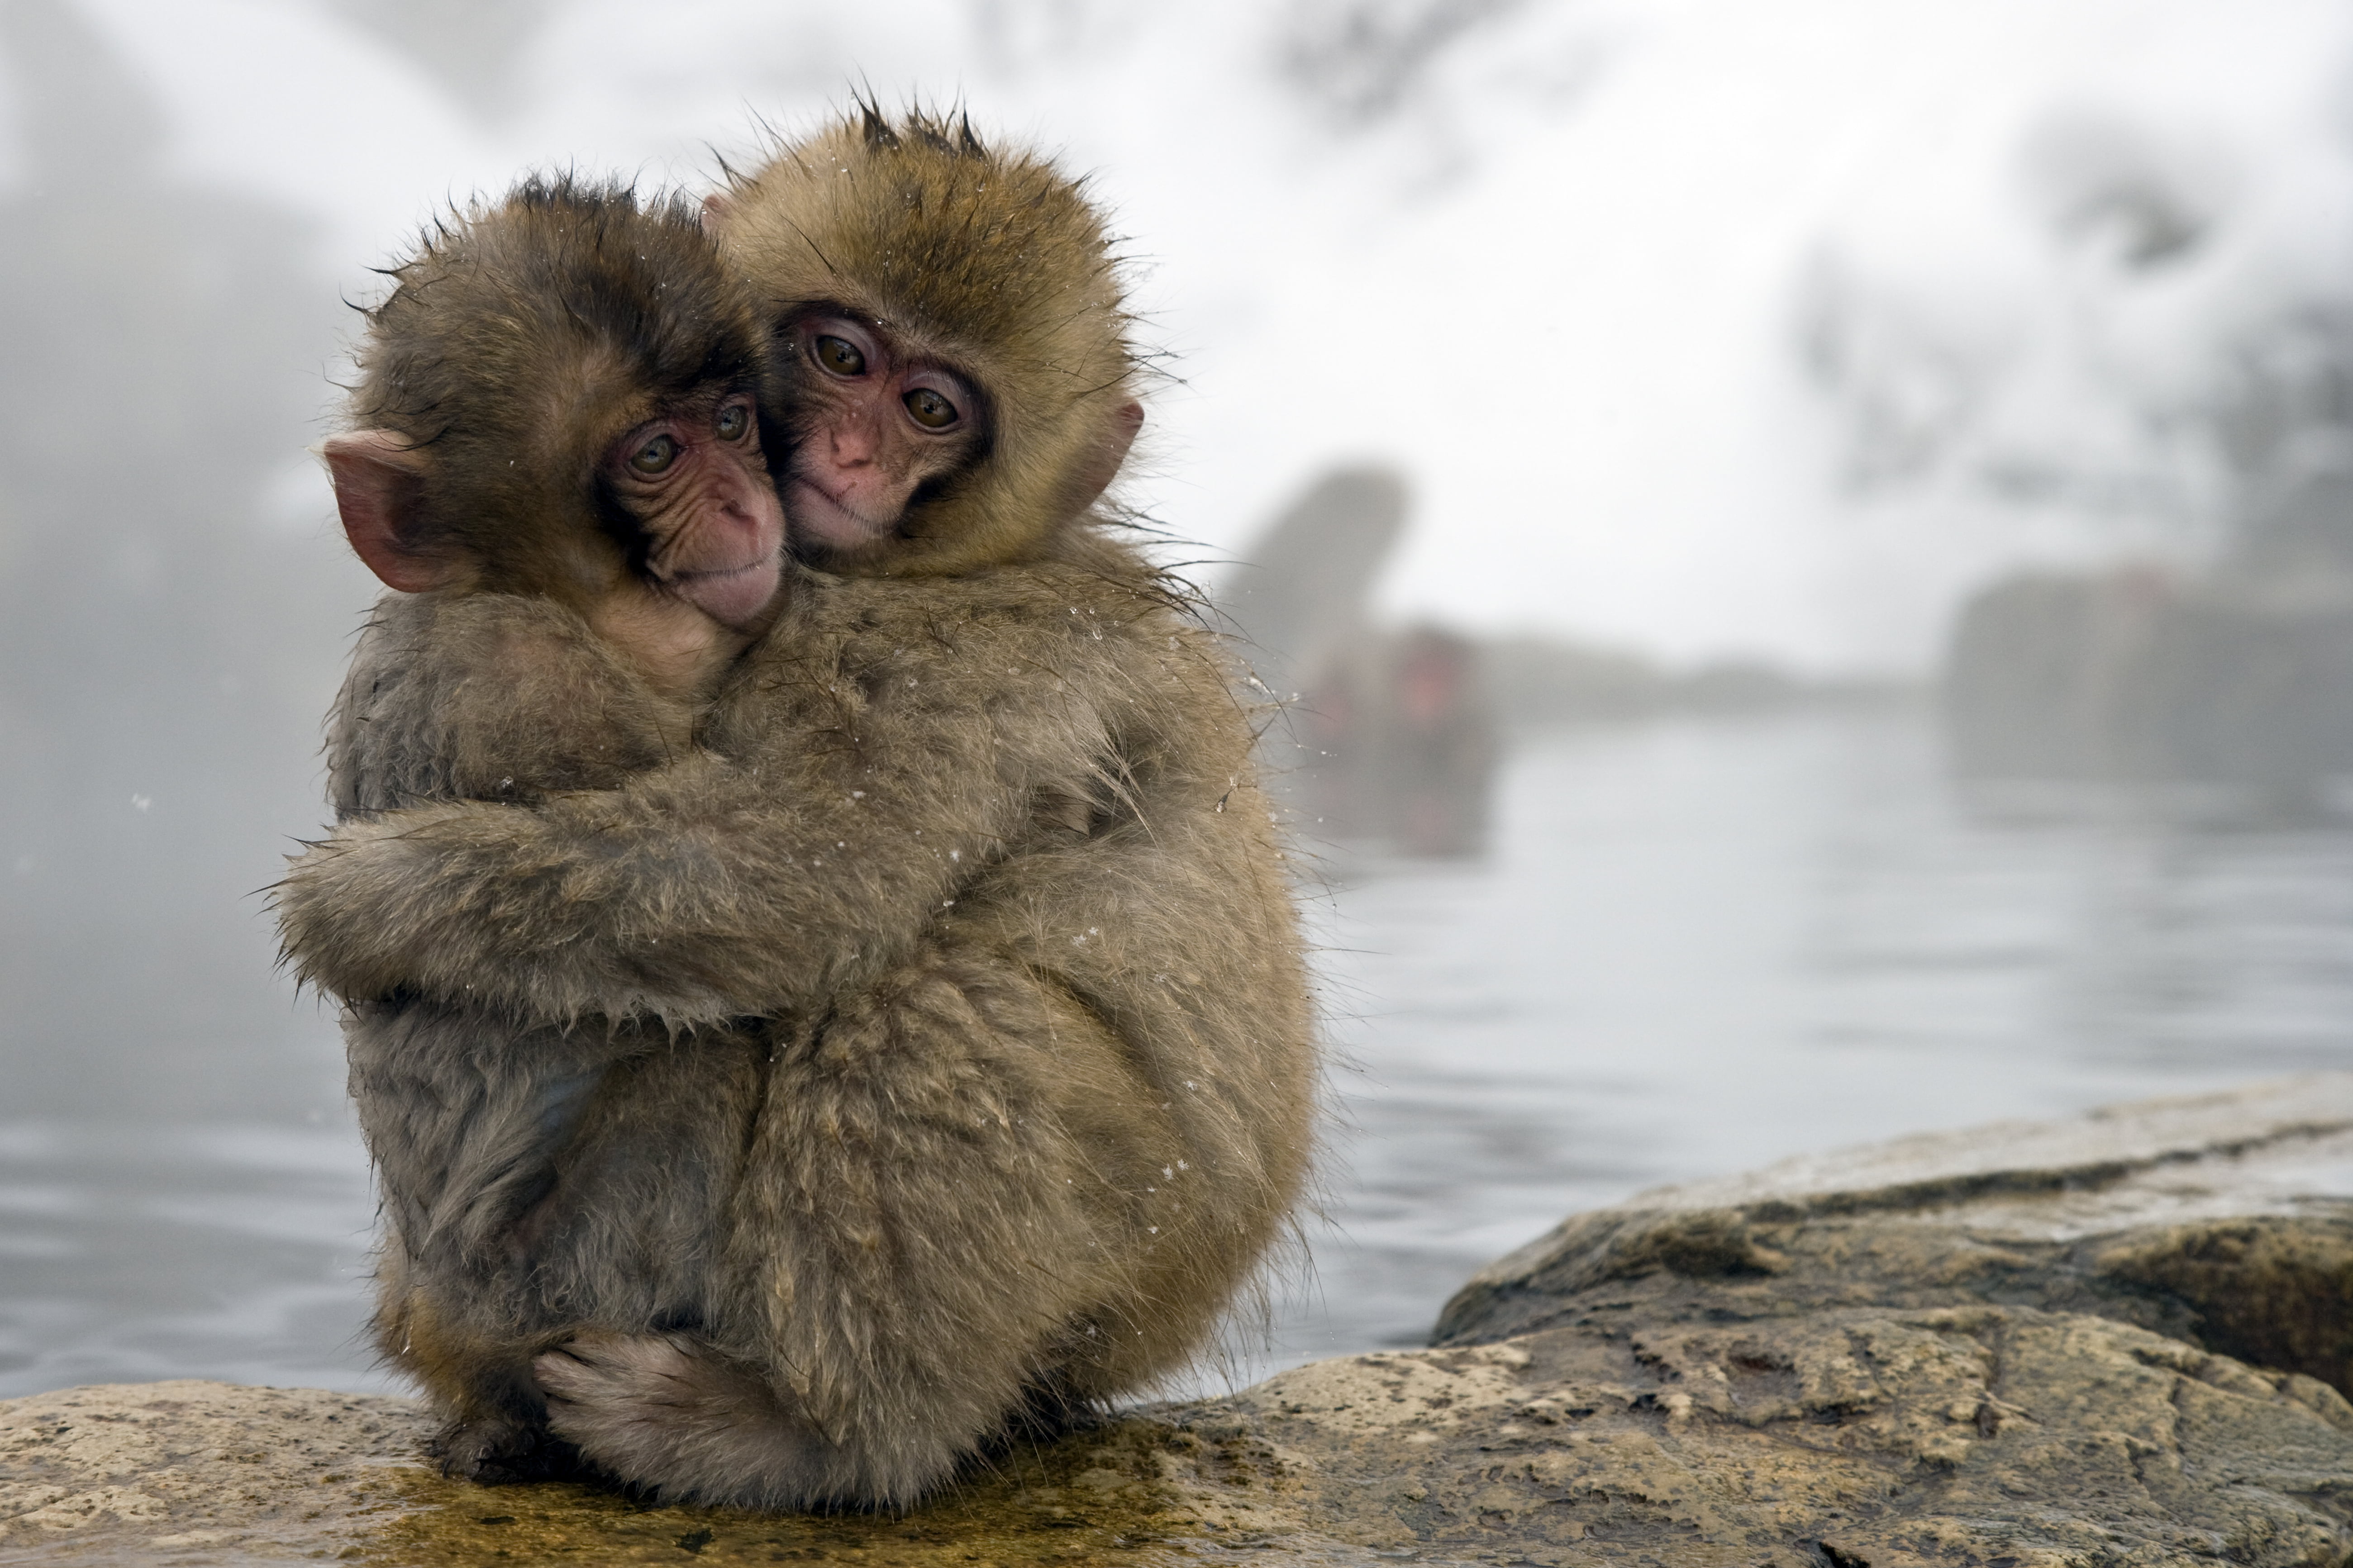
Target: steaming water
<point x="1701" y="945"/>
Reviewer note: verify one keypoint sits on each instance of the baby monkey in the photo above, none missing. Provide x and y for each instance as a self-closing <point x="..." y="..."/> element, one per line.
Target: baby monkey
<point x="954" y="369"/>
<point x="559" y="465"/>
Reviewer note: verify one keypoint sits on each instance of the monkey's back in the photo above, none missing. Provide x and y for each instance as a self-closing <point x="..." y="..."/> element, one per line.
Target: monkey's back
<point x="1126" y="979"/>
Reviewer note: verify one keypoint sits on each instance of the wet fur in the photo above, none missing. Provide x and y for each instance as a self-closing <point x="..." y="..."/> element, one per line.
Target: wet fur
<point x="1024" y="1135"/>
<point x="923" y="1053"/>
<point x="519" y="339"/>
<point x="998" y="264"/>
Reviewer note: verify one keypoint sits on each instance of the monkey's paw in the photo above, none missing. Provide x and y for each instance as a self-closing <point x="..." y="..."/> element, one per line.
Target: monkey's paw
<point x="595" y="1379"/>
<point x="667" y="1414"/>
<point x="494" y="1450"/>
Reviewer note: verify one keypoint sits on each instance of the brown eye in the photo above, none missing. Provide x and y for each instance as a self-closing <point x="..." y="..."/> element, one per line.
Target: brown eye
<point x="932" y="411"/>
<point x="840" y="357"/>
<point x="732" y="422"/>
<point x="655" y="456"/>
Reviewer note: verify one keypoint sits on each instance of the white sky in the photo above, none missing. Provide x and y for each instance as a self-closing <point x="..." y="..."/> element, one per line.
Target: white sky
<point x="1557" y="290"/>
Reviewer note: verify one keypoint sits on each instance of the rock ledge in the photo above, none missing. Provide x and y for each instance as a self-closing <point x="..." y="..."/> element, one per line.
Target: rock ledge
<point x="2122" y="1338"/>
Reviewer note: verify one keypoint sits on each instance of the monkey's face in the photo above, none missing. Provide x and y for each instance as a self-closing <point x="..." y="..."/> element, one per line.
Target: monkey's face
<point x="712" y="533"/>
<point x="874" y="420"/>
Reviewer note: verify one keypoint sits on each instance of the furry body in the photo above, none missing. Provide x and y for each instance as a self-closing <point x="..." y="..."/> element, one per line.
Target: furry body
<point x="1030" y="1093"/>
<point x="925" y="1052"/>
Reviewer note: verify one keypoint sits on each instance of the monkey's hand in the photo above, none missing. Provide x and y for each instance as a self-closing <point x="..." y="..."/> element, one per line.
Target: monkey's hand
<point x="497" y="1450"/>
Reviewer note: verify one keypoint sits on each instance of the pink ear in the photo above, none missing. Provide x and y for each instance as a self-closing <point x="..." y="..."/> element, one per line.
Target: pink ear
<point x="717" y="208"/>
<point x="379" y="484"/>
<point x="1102" y="467"/>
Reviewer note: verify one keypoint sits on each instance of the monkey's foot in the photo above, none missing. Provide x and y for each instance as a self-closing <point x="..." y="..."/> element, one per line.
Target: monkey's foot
<point x="687" y="1424"/>
<point x="496" y="1450"/>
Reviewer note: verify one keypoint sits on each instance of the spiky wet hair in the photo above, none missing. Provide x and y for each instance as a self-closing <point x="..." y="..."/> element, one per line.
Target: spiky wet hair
<point x="992" y="256"/>
<point x="523" y="336"/>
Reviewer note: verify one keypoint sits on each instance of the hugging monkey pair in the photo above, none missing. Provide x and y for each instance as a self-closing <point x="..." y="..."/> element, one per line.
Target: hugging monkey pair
<point x="821" y="984"/>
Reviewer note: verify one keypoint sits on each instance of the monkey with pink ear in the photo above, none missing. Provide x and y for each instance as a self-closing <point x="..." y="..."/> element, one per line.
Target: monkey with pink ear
<point x="803" y="1043"/>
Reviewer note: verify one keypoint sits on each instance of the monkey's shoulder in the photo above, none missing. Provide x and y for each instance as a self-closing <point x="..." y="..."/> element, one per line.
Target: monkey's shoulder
<point x="1038" y="610"/>
<point x="447" y="633"/>
<point x="485" y="696"/>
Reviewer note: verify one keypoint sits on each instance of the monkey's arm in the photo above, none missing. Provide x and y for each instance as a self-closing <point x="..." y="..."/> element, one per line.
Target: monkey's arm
<point x="698" y="893"/>
<point x="878" y="768"/>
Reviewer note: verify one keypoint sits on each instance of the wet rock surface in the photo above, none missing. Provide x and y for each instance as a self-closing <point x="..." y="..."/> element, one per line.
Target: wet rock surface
<point x="2118" y="1340"/>
<point x="2225" y="1221"/>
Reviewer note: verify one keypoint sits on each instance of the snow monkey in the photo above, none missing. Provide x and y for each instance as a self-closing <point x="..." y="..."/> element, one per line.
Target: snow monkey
<point x="923" y="1055"/>
<point x="962" y="391"/>
<point x="558" y="464"/>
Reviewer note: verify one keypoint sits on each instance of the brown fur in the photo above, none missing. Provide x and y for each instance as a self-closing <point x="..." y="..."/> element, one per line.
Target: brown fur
<point x="490" y="696"/>
<point x="517" y="344"/>
<point x="965" y="925"/>
<point x="535" y="1178"/>
<point x="995" y="263"/>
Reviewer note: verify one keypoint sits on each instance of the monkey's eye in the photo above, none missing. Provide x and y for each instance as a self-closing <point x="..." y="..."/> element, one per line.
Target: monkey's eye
<point x="732" y="422"/>
<point x="840" y="357"/>
<point x="932" y="411"/>
<point x="655" y="456"/>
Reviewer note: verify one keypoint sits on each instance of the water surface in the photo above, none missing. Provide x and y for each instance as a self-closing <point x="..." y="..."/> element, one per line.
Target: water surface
<point x="1700" y="944"/>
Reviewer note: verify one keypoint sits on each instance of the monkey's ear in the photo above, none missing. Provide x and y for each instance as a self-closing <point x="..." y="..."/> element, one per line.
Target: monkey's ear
<point x="379" y="491"/>
<point x="1101" y="467"/>
<point x="718" y="208"/>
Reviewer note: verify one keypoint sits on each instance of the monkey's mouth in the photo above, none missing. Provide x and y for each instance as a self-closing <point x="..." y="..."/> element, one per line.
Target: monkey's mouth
<point x="811" y="512"/>
<point x="732" y="596"/>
